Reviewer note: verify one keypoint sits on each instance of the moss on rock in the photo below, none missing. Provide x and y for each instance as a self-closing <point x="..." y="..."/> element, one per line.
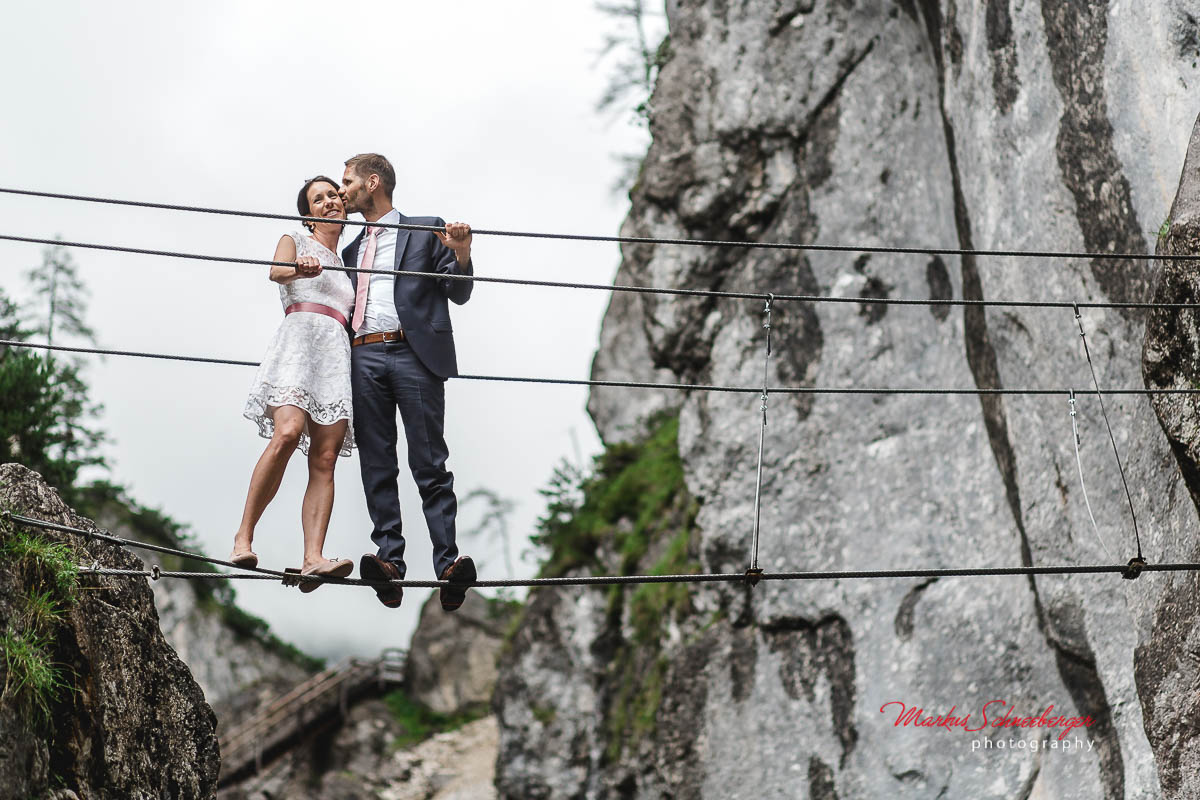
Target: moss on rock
<point x="634" y="513"/>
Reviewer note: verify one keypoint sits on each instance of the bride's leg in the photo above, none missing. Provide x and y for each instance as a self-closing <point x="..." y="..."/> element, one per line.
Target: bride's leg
<point x="268" y="472"/>
<point x="325" y="441"/>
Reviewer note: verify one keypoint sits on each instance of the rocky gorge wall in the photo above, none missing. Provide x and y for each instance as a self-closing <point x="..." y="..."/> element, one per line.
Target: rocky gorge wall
<point x="1053" y="125"/>
<point x="232" y="655"/>
<point x="95" y="702"/>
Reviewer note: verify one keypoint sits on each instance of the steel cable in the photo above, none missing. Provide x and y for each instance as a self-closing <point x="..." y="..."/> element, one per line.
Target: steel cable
<point x="796" y="390"/>
<point x="720" y="577"/>
<point x="655" y="290"/>
<point x="1082" y="485"/>
<point x="598" y="580"/>
<point x="1096" y="383"/>
<point x="830" y="248"/>
<point x="108" y="537"/>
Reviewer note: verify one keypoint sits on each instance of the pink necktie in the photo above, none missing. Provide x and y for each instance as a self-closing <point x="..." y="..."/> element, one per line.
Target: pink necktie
<point x="364" y="280"/>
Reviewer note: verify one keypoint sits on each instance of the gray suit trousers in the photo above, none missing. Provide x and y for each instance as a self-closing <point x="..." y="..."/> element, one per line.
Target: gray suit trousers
<point x="387" y="376"/>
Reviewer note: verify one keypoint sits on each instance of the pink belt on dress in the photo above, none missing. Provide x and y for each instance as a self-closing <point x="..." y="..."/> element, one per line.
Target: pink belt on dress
<point x="316" y="308"/>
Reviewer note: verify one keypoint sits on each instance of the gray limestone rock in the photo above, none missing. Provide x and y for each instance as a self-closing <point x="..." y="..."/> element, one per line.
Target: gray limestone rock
<point x="1052" y="125"/>
<point x="236" y="669"/>
<point x="1166" y="665"/>
<point x="451" y="664"/>
<point x="130" y="722"/>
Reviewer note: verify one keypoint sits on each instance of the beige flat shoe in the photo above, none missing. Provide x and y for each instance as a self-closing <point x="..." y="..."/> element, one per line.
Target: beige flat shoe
<point x="246" y="558"/>
<point x="329" y="568"/>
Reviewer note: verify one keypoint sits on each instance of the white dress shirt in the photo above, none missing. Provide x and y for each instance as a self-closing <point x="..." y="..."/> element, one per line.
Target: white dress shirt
<point x="381" y="296"/>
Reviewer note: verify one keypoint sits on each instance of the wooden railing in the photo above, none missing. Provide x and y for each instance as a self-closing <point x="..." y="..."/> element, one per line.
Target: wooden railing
<point x="307" y="708"/>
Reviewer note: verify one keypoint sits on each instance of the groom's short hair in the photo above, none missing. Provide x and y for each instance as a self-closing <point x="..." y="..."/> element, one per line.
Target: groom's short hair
<point x="368" y="164"/>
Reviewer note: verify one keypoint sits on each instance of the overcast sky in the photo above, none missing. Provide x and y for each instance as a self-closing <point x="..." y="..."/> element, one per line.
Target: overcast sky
<point x="487" y="111"/>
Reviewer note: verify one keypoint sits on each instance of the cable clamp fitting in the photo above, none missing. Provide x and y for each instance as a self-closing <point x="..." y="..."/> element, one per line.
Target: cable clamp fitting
<point x="1134" y="569"/>
<point x="753" y="576"/>
<point x="767" y="321"/>
<point x="1074" y="428"/>
<point x="155" y="572"/>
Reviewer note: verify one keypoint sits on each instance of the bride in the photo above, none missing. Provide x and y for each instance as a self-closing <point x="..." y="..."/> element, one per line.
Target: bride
<point x="301" y="394"/>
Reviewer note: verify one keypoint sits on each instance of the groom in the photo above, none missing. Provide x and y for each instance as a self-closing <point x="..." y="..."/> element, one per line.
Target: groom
<point x="402" y="352"/>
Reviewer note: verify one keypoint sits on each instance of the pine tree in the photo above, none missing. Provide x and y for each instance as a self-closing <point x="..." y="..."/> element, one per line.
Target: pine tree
<point x="494" y="520"/>
<point x="44" y="406"/>
<point x="633" y="74"/>
<point x="58" y="290"/>
<point x="637" y="68"/>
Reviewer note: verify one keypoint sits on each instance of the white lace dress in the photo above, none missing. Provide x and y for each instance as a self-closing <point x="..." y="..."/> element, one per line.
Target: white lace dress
<point x="307" y="364"/>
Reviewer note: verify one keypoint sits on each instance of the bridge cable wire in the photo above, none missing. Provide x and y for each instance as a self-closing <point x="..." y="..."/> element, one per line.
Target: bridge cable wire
<point x="834" y="248"/>
<point x="1125" y="570"/>
<point x="753" y="573"/>
<point x="256" y="573"/>
<point x="1099" y="396"/>
<point x="105" y="536"/>
<point x="655" y="290"/>
<point x="1082" y="486"/>
<point x="762" y="437"/>
<point x="796" y="390"/>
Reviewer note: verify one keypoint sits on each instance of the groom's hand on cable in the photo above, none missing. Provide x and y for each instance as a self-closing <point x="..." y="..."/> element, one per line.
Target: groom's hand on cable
<point x="458" y="238"/>
<point x="308" y="266"/>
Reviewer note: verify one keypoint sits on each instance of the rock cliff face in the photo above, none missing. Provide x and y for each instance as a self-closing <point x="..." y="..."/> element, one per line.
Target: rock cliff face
<point x="236" y="670"/>
<point x="1167" y="668"/>
<point x="236" y="662"/>
<point x="126" y="719"/>
<point x="1049" y="125"/>
<point x="451" y="664"/>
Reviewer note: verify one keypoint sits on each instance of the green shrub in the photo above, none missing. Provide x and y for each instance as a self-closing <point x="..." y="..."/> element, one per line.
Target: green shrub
<point x="419" y="722"/>
<point x="634" y="501"/>
<point x="626" y="499"/>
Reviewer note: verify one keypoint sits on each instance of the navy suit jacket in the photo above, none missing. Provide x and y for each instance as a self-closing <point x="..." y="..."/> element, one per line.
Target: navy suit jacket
<point x="421" y="302"/>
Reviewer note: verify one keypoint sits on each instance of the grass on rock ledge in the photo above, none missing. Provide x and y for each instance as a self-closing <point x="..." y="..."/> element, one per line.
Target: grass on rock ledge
<point x="45" y="578"/>
<point x="420" y="722"/>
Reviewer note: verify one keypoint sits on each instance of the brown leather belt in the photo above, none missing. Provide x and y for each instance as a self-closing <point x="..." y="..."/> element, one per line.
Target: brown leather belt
<point x="316" y="308"/>
<point x="372" y="338"/>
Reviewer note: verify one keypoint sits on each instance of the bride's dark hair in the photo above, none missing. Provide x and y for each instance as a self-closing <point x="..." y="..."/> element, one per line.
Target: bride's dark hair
<point x="302" y="199"/>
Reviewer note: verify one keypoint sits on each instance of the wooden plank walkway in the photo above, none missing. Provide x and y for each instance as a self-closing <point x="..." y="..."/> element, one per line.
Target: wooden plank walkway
<point x="310" y="706"/>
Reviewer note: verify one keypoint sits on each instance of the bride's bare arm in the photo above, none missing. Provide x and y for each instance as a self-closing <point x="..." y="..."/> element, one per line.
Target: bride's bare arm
<point x="306" y="266"/>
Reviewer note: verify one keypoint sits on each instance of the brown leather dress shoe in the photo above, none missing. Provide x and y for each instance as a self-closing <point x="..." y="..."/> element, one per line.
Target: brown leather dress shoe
<point x="375" y="570"/>
<point x="461" y="575"/>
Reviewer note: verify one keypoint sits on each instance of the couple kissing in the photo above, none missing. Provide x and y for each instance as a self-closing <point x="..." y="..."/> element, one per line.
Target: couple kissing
<point x="352" y="349"/>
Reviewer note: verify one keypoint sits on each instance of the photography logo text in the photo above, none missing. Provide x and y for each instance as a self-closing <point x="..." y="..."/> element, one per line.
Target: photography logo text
<point x="1048" y="730"/>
